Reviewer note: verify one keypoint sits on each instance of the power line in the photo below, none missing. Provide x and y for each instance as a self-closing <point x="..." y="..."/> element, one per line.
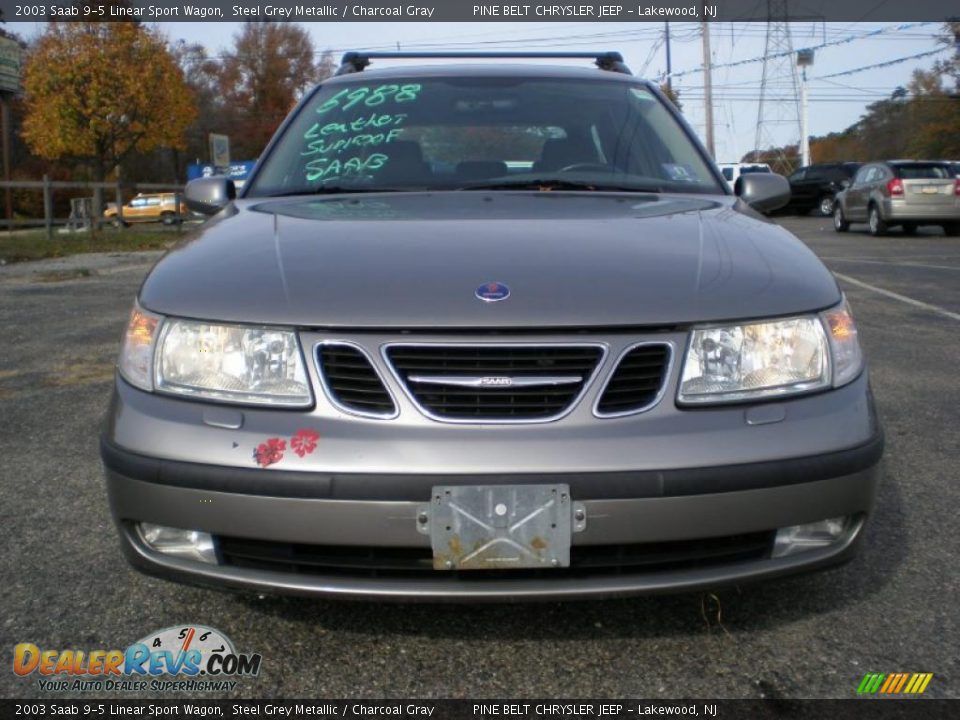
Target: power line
<point x="829" y="43"/>
<point x="883" y="64"/>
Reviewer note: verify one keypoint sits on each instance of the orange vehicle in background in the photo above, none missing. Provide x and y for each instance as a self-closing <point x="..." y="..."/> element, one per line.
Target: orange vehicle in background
<point x="149" y="207"/>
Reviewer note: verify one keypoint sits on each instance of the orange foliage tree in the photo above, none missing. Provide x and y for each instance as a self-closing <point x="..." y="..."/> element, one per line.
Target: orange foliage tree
<point x="262" y="78"/>
<point x="97" y="92"/>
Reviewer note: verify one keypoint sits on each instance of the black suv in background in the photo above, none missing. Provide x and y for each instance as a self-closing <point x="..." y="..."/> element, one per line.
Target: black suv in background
<point x="815" y="186"/>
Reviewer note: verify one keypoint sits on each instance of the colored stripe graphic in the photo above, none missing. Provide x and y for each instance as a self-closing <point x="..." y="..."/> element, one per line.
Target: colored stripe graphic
<point x="871" y="683"/>
<point x="894" y="683"/>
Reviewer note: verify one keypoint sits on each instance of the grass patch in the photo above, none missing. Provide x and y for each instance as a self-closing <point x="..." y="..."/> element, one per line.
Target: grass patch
<point x="22" y="246"/>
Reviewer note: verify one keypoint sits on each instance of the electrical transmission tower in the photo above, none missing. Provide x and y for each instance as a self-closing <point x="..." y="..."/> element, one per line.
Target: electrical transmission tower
<point x="780" y="87"/>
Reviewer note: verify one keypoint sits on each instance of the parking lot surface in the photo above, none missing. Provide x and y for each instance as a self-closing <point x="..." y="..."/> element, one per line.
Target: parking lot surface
<point x="64" y="583"/>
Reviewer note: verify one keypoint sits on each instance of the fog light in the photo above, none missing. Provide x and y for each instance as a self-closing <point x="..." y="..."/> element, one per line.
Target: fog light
<point x="799" y="538"/>
<point x="186" y="544"/>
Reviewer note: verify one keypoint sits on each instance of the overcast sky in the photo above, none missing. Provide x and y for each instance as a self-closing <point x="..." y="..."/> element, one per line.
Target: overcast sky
<point x="835" y="103"/>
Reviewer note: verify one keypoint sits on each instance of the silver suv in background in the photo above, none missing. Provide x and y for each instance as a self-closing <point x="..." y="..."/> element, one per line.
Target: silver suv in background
<point x="489" y="332"/>
<point x="904" y="193"/>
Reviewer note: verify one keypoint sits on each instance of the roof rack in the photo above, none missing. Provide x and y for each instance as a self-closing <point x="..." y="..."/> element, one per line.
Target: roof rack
<point x="354" y="62"/>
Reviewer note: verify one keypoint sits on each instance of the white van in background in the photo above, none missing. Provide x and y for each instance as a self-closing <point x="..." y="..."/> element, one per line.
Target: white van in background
<point x="731" y="171"/>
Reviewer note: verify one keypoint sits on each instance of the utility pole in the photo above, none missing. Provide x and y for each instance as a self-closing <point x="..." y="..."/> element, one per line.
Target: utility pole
<point x="804" y="60"/>
<point x="708" y="86"/>
<point x="666" y="38"/>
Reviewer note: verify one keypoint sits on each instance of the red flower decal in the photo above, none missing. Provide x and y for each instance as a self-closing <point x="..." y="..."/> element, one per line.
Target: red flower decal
<point x="305" y="441"/>
<point x="269" y="452"/>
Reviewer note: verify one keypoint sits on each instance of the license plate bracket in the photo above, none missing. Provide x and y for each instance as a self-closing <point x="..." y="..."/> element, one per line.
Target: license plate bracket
<point x="496" y="527"/>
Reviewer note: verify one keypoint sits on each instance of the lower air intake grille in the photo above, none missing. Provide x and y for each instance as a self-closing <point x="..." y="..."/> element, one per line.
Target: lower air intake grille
<point x="585" y="560"/>
<point x="352" y="382"/>
<point x="636" y="381"/>
<point x="491" y="383"/>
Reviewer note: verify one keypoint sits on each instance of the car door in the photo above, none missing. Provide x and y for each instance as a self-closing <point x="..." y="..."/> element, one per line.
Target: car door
<point x="807" y="195"/>
<point x="796" y="187"/>
<point x="877" y="186"/>
<point x="855" y="204"/>
<point x="135" y="210"/>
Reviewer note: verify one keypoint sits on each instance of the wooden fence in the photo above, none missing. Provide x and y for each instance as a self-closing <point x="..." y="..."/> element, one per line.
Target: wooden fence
<point x="90" y="218"/>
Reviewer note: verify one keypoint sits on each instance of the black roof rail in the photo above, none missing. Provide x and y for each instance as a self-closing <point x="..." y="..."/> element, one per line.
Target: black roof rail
<point x="354" y="62"/>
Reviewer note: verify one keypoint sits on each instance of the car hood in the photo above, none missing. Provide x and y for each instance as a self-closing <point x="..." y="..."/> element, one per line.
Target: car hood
<point x="416" y="260"/>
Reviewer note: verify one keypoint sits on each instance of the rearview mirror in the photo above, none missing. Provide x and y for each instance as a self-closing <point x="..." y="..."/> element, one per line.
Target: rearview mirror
<point x="764" y="192"/>
<point x="209" y="195"/>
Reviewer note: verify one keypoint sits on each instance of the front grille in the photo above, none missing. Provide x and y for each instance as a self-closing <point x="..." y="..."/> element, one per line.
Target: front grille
<point x="585" y="560"/>
<point x="563" y="370"/>
<point x="637" y="380"/>
<point x="352" y="382"/>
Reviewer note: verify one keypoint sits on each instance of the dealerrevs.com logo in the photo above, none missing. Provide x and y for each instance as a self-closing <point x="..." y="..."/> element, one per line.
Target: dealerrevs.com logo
<point x="186" y="658"/>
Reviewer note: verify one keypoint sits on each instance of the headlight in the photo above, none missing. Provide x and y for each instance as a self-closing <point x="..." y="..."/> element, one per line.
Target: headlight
<point x="770" y="359"/>
<point x="740" y="362"/>
<point x="136" y="352"/>
<point x="234" y="363"/>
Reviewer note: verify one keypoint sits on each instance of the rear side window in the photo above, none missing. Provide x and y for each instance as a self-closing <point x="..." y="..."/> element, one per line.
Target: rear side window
<point x="918" y="171"/>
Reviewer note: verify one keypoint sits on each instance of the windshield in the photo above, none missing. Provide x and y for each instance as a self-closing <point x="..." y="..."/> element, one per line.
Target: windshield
<point x="475" y="132"/>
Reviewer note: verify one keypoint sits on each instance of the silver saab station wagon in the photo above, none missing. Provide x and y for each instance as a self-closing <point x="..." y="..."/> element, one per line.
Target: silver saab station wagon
<point x="489" y="332"/>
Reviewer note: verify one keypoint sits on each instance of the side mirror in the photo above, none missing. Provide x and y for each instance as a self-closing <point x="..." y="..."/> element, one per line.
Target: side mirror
<point x="764" y="192"/>
<point x="209" y="195"/>
<point x="844" y="184"/>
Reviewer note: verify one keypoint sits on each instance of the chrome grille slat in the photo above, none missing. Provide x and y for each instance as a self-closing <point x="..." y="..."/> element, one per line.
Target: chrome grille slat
<point x="461" y="398"/>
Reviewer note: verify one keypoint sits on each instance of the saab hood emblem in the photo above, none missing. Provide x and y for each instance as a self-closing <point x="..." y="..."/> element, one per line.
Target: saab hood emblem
<point x="493" y="292"/>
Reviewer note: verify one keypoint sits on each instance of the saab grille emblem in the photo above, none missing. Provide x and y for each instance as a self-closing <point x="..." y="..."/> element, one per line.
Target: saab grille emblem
<point x="493" y="292"/>
<point x="496" y="381"/>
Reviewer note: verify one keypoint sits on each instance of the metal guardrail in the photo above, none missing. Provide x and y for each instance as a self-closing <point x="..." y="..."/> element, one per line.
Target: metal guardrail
<point x="88" y="221"/>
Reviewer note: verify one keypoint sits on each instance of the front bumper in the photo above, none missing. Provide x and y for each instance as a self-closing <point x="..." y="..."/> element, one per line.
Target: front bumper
<point x="675" y="525"/>
<point x="392" y="524"/>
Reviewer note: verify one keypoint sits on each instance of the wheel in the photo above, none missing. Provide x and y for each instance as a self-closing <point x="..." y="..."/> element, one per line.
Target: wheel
<point x="840" y="223"/>
<point x="877" y="225"/>
<point x="118" y="223"/>
<point x="168" y="218"/>
<point x="826" y="205"/>
<point x="909" y="228"/>
<point x="952" y="228"/>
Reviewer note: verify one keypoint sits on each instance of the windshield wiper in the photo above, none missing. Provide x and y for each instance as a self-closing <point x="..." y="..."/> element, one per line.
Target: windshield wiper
<point x="548" y="184"/>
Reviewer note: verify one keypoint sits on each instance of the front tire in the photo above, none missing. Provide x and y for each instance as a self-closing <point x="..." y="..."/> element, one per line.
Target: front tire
<point x="826" y="205"/>
<point x="877" y="225"/>
<point x="840" y="223"/>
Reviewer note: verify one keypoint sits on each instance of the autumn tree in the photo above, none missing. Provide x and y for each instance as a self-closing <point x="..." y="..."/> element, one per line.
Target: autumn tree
<point x="202" y="73"/>
<point x="266" y="73"/>
<point x="100" y="91"/>
<point x="673" y="94"/>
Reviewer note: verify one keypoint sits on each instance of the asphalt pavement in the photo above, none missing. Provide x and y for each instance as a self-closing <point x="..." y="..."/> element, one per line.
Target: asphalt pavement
<point x="64" y="583"/>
